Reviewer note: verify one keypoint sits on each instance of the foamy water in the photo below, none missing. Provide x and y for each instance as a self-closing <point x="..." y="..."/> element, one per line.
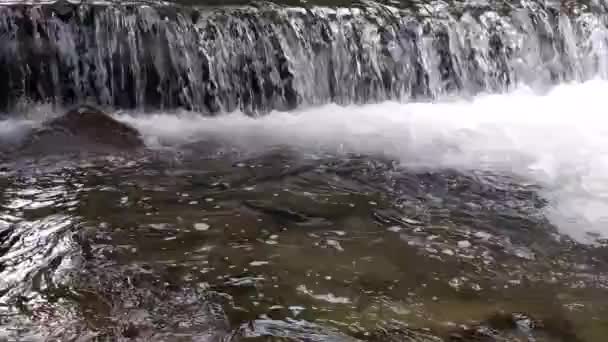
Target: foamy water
<point x="559" y="140"/>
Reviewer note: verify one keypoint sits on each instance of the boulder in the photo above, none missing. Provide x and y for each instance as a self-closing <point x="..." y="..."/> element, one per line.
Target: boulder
<point x="83" y="129"/>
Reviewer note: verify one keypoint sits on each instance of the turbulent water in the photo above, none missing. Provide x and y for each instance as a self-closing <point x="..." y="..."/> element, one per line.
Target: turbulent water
<point x="447" y="221"/>
<point x="378" y="171"/>
<point x="558" y="141"/>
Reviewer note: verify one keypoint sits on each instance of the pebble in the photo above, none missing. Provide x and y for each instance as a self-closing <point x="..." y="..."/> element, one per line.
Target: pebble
<point x="464" y="244"/>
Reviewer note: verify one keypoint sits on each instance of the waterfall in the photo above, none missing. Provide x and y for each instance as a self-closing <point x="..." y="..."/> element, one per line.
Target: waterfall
<point x="264" y="56"/>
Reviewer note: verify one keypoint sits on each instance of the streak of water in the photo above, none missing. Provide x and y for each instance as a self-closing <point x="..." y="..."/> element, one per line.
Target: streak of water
<point x="263" y="57"/>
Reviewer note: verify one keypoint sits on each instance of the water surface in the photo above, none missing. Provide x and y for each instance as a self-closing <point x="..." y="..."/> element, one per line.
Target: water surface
<point x="454" y="221"/>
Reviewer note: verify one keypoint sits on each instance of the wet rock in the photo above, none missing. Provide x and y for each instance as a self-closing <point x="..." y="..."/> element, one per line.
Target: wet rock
<point x="83" y="129"/>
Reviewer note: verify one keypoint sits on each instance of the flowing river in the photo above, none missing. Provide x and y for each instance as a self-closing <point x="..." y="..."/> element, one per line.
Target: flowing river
<point x="313" y="171"/>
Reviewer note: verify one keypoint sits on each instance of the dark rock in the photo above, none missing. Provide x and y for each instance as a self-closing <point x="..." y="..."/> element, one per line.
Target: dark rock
<point x="83" y="129"/>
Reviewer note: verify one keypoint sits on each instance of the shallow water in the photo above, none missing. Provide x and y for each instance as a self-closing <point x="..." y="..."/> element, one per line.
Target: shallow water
<point x="453" y="221"/>
<point x="273" y="243"/>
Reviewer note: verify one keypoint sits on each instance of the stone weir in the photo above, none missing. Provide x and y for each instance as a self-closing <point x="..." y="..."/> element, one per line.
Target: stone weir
<point x="259" y="57"/>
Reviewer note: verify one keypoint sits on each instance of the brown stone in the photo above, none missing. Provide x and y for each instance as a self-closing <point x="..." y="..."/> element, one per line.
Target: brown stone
<point x="84" y="129"/>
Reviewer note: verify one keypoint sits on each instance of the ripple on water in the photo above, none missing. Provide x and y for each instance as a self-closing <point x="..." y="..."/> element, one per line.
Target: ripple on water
<point x="356" y="245"/>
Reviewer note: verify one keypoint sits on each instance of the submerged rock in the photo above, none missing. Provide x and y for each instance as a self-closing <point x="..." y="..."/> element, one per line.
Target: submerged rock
<point x="83" y="129"/>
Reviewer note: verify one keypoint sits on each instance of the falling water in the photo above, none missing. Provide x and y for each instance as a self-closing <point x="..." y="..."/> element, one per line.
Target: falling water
<point x="265" y="56"/>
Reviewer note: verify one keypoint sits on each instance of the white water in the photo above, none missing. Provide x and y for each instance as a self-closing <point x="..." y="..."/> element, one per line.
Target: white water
<point x="559" y="140"/>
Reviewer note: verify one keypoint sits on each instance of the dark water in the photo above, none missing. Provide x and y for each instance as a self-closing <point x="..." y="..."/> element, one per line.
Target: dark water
<point x="217" y="242"/>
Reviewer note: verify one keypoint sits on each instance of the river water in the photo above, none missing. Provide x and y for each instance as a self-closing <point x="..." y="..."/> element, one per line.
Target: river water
<point x="404" y="171"/>
<point x="421" y="221"/>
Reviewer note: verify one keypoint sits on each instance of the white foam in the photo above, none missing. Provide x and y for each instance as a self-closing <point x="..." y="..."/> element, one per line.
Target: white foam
<point x="12" y="131"/>
<point x="559" y="139"/>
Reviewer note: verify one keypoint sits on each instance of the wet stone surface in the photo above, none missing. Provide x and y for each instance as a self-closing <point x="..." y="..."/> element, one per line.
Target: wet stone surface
<point x="217" y="243"/>
<point x="83" y="128"/>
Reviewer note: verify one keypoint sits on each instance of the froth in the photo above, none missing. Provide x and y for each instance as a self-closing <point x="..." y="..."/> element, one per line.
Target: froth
<point x="558" y="139"/>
